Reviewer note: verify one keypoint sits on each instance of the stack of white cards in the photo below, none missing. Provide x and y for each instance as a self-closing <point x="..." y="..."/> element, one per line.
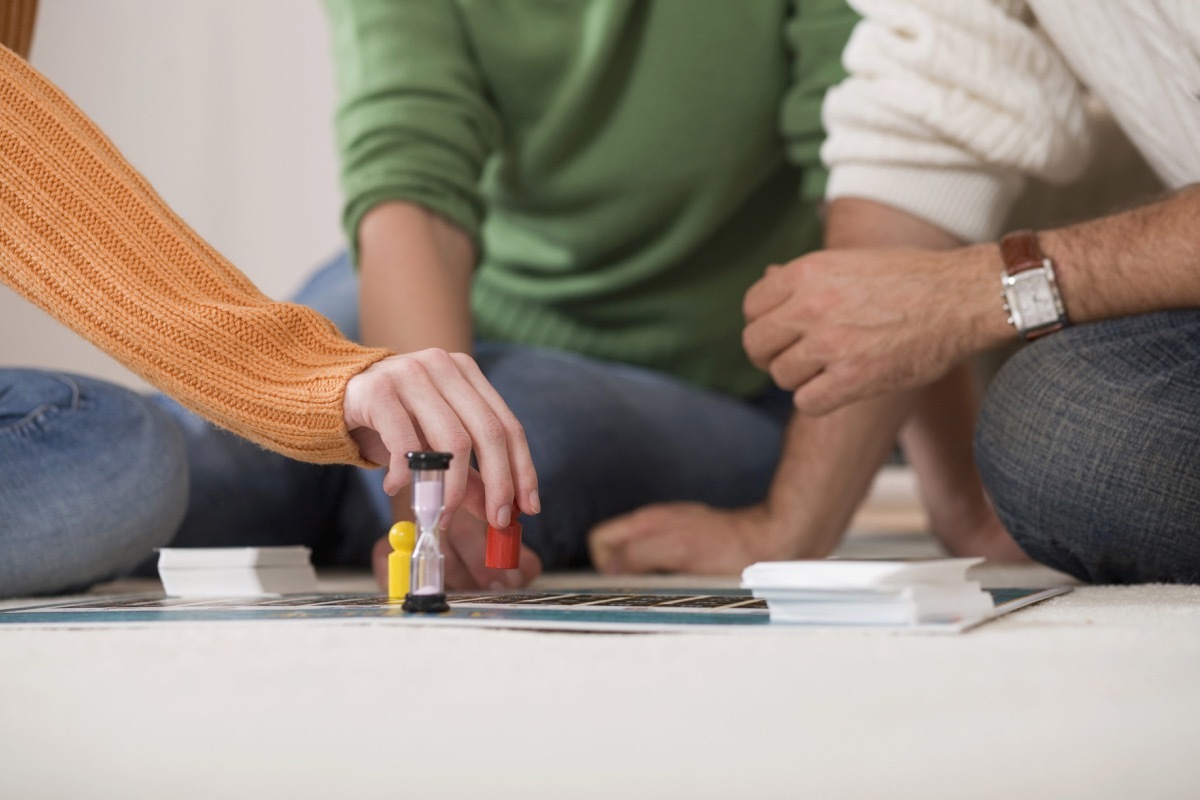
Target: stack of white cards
<point x="236" y="571"/>
<point x="869" y="593"/>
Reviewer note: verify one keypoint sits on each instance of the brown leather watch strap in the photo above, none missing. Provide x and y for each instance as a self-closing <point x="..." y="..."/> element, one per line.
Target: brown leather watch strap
<point x="1020" y="251"/>
<point x="1031" y="335"/>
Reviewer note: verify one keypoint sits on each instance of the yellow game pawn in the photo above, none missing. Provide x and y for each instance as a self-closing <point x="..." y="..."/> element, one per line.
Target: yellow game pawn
<point x="403" y="538"/>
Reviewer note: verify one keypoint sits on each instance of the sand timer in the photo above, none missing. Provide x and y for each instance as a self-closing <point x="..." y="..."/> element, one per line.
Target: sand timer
<point x="427" y="582"/>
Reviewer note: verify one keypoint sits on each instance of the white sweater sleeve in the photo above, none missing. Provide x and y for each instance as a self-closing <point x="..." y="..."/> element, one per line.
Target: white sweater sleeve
<point x="947" y="104"/>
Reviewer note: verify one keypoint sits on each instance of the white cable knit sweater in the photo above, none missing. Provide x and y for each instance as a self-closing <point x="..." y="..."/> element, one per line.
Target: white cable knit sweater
<point x="950" y="103"/>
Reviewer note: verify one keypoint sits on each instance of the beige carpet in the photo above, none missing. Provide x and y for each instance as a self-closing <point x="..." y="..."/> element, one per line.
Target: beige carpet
<point x="1095" y="694"/>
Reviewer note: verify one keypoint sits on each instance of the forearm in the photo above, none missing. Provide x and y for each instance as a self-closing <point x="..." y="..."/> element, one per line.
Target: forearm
<point x="415" y="280"/>
<point x="1141" y="260"/>
<point x="938" y="431"/>
<point x="852" y="222"/>
<point x="83" y="236"/>
<point x="1133" y="262"/>
<point x="830" y="461"/>
<point x="827" y="467"/>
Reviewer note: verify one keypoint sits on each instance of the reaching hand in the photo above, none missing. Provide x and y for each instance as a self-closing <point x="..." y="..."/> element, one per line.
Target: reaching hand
<point x="685" y="537"/>
<point x="842" y="325"/>
<point x="437" y="400"/>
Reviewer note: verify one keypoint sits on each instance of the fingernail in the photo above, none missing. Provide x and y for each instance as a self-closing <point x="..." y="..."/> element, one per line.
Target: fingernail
<point x="535" y="503"/>
<point x="504" y="516"/>
<point x="514" y="578"/>
<point x="496" y="586"/>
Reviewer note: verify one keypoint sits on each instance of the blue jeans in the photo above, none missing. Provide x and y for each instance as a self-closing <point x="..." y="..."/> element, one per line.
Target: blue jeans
<point x="1089" y="445"/>
<point x="92" y="478"/>
<point x="606" y="438"/>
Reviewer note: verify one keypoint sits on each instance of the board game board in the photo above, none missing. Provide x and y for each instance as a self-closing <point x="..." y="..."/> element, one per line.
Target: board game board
<point x="588" y="610"/>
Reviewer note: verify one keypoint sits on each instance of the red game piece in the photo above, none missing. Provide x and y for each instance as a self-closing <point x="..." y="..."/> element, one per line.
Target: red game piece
<point x="504" y="546"/>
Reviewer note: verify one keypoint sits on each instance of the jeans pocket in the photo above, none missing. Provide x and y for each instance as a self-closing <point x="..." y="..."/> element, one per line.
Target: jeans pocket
<point x="32" y="399"/>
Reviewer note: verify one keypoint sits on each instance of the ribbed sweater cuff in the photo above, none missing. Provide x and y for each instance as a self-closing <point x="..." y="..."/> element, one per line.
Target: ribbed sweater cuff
<point x="969" y="204"/>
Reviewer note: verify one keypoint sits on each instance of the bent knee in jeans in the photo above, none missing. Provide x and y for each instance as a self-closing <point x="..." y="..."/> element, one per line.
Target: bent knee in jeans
<point x="1089" y="445"/>
<point x="94" y="477"/>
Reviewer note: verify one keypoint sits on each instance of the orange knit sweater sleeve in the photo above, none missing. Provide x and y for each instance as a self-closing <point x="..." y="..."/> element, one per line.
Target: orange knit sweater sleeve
<point x="86" y="238"/>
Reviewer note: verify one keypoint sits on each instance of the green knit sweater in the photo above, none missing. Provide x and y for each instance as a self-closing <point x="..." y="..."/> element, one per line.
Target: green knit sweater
<point x="627" y="168"/>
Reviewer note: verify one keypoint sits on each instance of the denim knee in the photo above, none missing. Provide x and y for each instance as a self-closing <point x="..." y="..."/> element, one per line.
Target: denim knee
<point x="94" y="478"/>
<point x="1089" y="446"/>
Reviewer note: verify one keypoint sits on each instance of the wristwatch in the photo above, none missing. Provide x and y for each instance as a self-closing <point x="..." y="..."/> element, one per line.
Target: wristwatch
<point x="1031" y="295"/>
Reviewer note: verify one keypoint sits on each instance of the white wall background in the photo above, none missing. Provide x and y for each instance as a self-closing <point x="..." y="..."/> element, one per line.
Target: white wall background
<point x="226" y="106"/>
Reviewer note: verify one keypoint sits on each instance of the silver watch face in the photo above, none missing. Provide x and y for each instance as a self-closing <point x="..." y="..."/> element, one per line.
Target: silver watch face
<point x="1033" y="299"/>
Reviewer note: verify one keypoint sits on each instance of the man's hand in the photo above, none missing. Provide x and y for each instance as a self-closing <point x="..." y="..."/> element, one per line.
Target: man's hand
<point x="842" y="325"/>
<point x="687" y="537"/>
<point x="437" y="400"/>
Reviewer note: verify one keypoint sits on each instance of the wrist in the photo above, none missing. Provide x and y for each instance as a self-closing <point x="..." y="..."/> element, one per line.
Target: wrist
<point x="981" y="304"/>
<point x="799" y="529"/>
<point x="1074" y="284"/>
